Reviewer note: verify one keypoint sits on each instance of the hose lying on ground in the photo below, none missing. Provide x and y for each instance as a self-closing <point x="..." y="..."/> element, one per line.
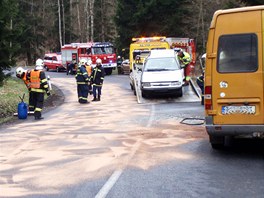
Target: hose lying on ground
<point x="185" y="121"/>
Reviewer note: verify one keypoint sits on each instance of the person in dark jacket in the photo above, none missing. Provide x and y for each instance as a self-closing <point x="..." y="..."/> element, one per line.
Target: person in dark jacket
<point x="97" y="79"/>
<point x="200" y="83"/>
<point x="39" y="85"/>
<point x="83" y="81"/>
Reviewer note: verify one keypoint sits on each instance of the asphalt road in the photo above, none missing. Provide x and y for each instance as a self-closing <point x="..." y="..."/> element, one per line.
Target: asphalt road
<point x="119" y="148"/>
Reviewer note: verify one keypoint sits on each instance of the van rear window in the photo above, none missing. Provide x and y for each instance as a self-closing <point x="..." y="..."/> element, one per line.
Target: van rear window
<point x="237" y="53"/>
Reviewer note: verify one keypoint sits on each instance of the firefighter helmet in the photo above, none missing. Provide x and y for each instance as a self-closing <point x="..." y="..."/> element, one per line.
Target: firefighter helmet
<point x="82" y="61"/>
<point x="20" y="72"/>
<point x="98" y="61"/>
<point x="176" y="49"/>
<point x="39" y="64"/>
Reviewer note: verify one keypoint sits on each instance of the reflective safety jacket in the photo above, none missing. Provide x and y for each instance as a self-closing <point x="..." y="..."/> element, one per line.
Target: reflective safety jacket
<point x="89" y="69"/>
<point x="81" y="75"/>
<point x="38" y="81"/>
<point x="186" y="59"/>
<point x="97" y="77"/>
<point x="26" y="79"/>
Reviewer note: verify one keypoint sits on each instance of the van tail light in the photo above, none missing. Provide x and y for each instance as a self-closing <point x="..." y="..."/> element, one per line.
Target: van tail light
<point x="208" y="97"/>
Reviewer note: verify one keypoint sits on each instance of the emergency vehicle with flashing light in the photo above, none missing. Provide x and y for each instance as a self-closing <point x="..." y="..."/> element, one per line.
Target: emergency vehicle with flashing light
<point x="91" y="50"/>
<point x="140" y="48"/>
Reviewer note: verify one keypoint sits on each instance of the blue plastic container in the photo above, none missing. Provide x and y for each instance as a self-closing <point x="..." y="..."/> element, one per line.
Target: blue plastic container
<point x="22" y="110"/>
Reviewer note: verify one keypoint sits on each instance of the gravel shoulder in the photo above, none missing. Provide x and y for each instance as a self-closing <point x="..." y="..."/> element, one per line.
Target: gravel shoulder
<point x="56" y="99"/>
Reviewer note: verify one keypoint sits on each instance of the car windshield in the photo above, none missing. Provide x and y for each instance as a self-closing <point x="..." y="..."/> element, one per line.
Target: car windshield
<point x="160" y="64"/>
<point x="103" y="50"/>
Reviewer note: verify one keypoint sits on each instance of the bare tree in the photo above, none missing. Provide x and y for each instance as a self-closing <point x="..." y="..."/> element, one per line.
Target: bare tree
<point x="102" y="21"/>
<point x="59" y="15"/>
<point x="79" y="21"/>
<point x="63" y="20"/>
<point x="71" y="11"/>
<point x="92" y="19"/>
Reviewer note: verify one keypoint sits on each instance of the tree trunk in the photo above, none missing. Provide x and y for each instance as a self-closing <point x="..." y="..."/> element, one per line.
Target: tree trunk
<point x="79" y="21"/>
<point x="92" y="19"/>
<point x="71" y="26"/>
<point x="102" y="21"/>
<point x="63" y="21"/>
<point x="87" y="20"/>
<point x="60" y="37"/>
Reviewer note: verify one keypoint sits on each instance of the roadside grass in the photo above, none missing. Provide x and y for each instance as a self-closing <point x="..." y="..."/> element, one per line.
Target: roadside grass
<point x="9" y="97"/>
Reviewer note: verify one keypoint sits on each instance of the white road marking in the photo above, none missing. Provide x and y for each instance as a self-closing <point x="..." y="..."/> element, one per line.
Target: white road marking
<point x="115" y="176"/>
<point x="109" y="184"/>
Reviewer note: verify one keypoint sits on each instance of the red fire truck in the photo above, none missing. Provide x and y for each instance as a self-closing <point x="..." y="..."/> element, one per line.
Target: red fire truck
<point x="91" y="50"/>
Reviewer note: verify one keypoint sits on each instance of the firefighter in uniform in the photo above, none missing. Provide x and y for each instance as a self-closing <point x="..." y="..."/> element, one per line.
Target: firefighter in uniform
<point x="200" y="83"/>
<point x="25" y="76"/>
<point x="185" y="60"/>
<point x="97" y="80"/>
<point x="39" y="85"/>
<point x="89" y="70"/>
<point x="119" y="63"/>
<point x="200" y="79"/>
<point x="83" y="81"/>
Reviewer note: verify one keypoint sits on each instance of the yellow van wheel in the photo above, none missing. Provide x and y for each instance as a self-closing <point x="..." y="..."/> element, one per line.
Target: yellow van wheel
<point x="217" y="142"/>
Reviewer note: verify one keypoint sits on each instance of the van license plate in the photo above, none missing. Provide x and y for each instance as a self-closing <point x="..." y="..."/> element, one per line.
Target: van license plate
<point x="226" y="110"/>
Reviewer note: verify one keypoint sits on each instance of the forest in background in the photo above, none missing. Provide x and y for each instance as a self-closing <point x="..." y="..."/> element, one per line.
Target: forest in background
<point x="29" y="28"/>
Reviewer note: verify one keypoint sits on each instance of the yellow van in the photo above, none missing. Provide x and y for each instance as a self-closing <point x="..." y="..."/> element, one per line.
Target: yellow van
<point x="234" y="75"/>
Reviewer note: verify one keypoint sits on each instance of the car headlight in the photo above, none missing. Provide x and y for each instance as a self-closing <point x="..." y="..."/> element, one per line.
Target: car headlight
<point x="177" y="83"/>
<point x="145" y="84"/>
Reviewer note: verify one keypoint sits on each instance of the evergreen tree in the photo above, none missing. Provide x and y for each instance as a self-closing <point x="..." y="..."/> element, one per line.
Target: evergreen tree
<point x="8" y="10"/>
<point x="150" y="18"/>
<point x="253" y="2"/>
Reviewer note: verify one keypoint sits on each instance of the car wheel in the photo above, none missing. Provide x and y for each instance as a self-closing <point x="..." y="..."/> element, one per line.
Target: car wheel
<point x="143" y="94"/>
<point x="47" y="69"/>
<point x="217" y="142"/>
<point x="108" y="71"/>
<point x="131" y="87"/>
<point x="179" y="93"/>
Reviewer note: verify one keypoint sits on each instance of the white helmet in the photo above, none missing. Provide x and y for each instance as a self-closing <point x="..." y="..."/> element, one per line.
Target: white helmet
<point x="39" y="64"/>
<point x="19" y="72"/>
<point x="82" y="61"/>
<point x="98" y="61"/>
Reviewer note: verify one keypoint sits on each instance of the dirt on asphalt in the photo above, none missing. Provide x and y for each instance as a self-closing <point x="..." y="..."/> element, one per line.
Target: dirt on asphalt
<point x="56" y="99"/>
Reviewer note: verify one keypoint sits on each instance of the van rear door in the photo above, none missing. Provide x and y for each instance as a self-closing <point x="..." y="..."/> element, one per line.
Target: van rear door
<point x="237" y="78"/>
